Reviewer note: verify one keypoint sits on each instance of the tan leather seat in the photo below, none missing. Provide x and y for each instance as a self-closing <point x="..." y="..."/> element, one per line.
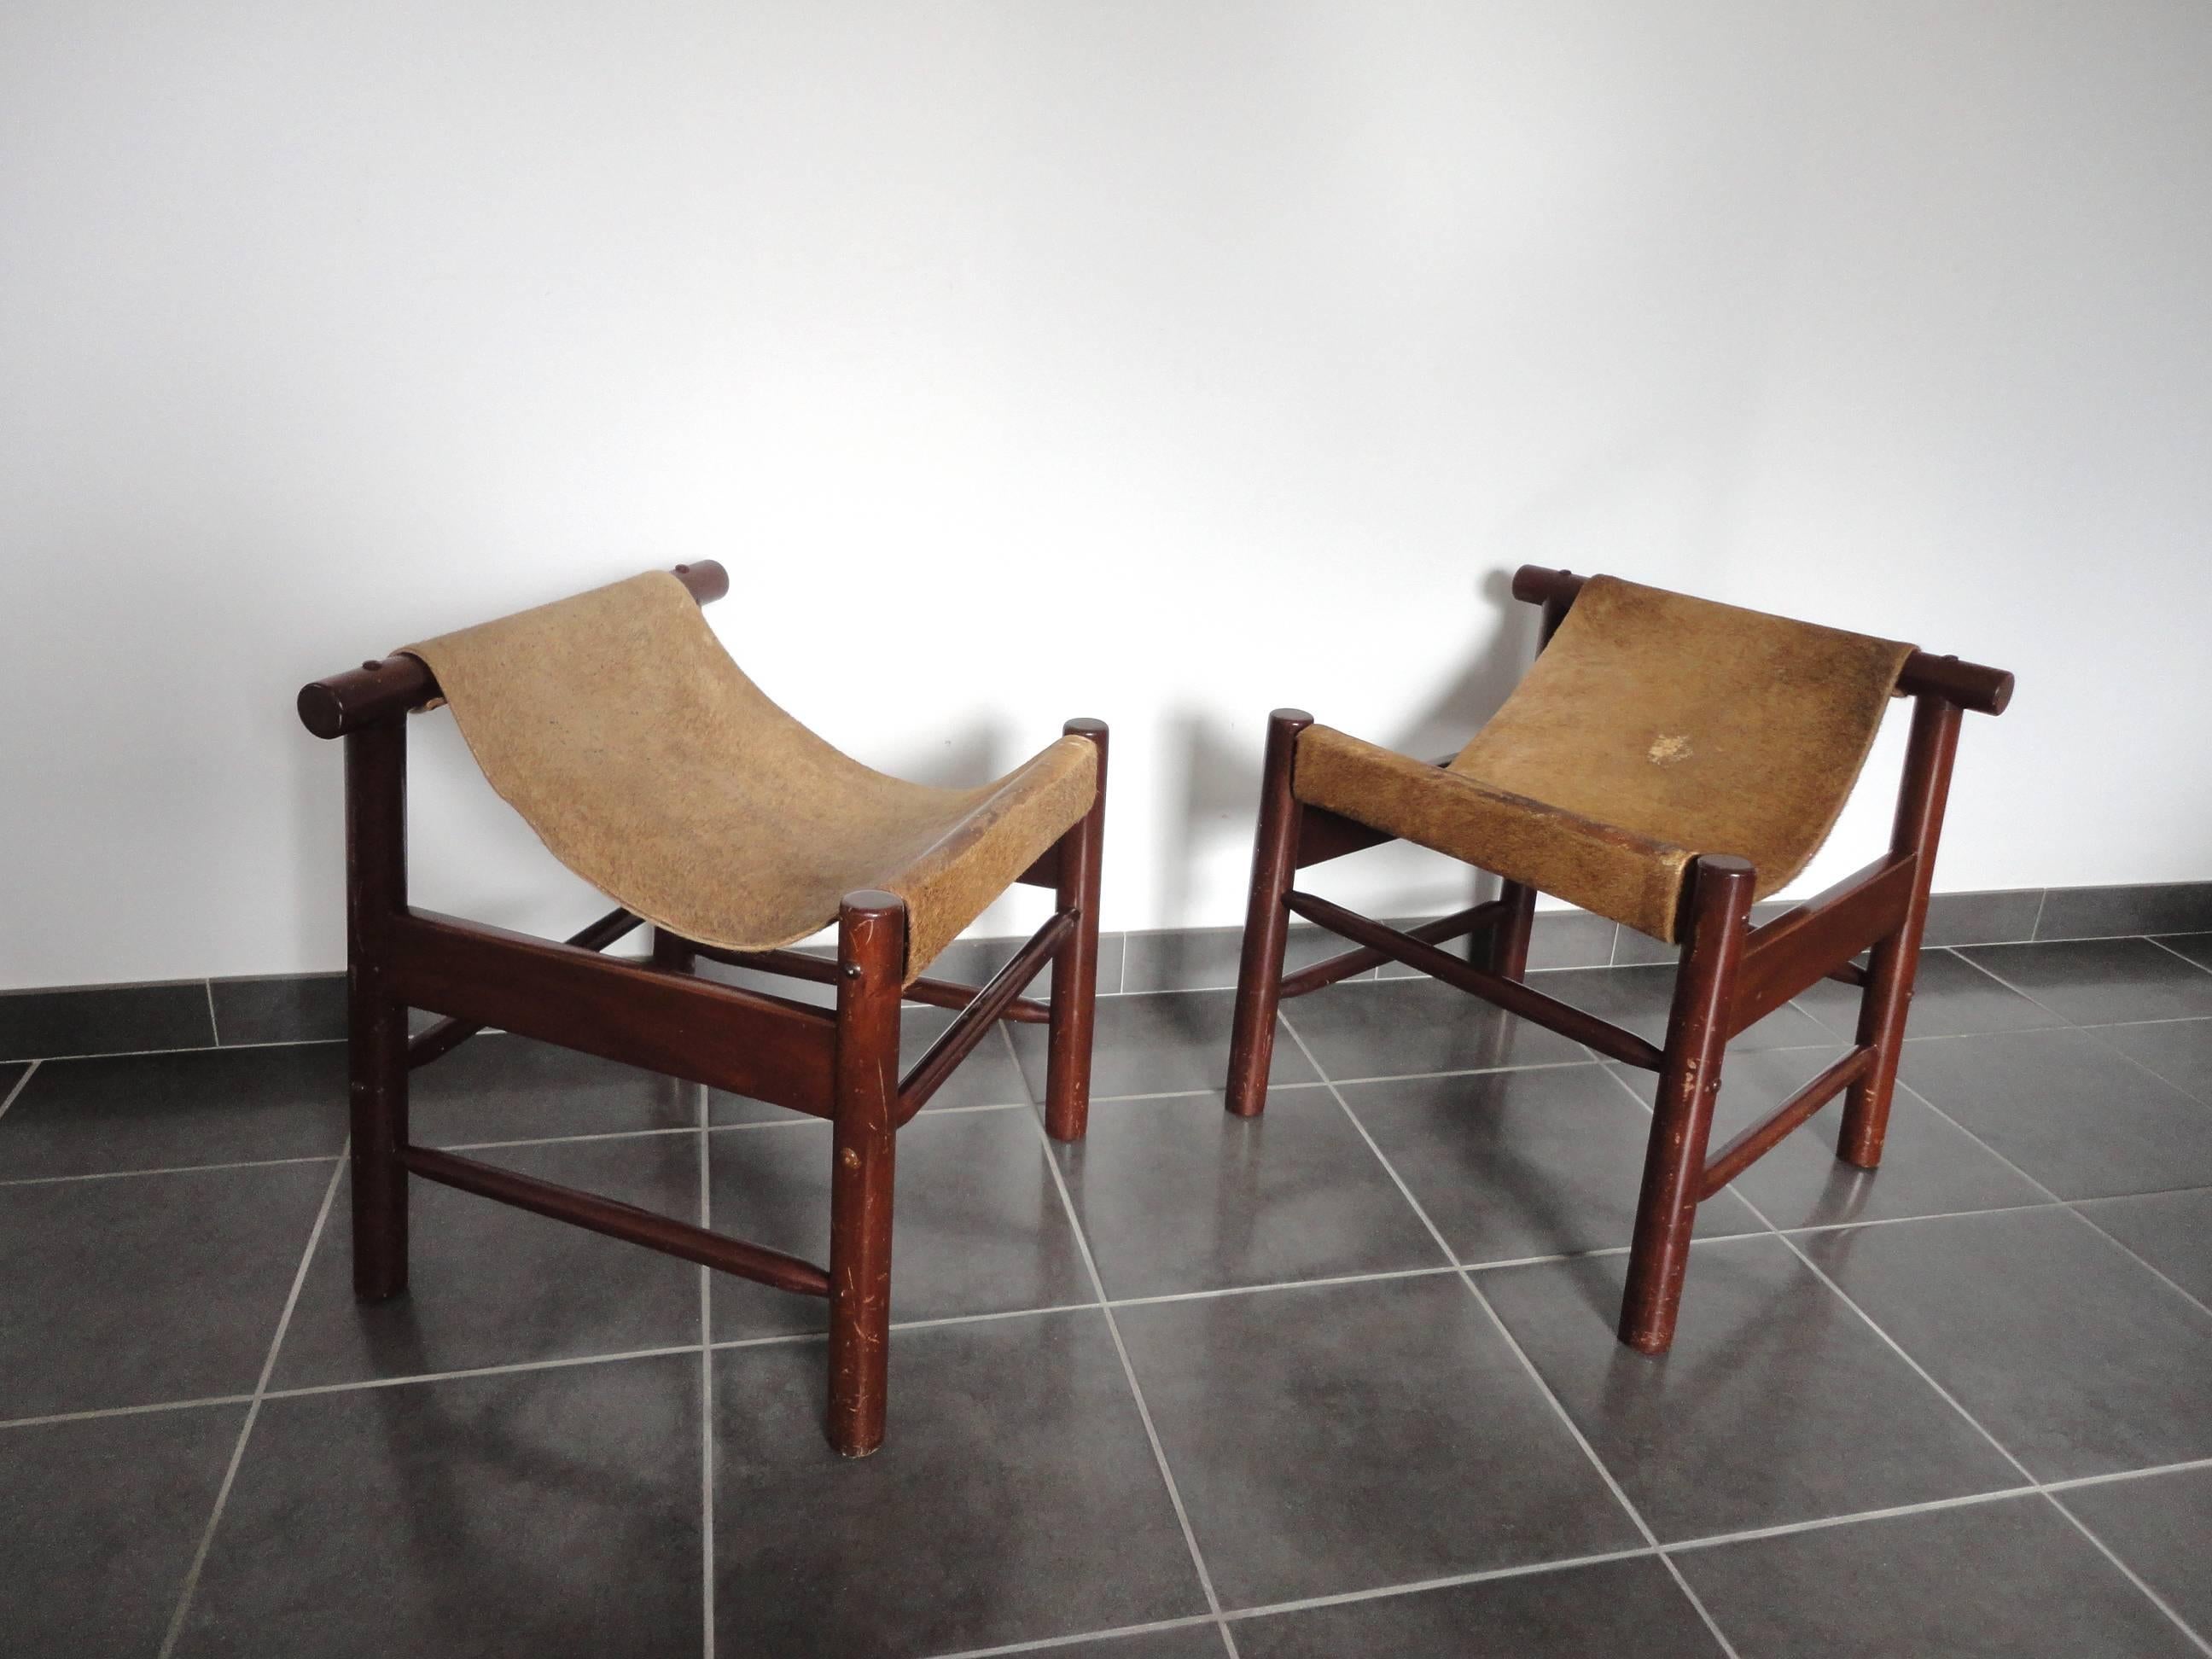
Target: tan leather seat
<point x="649" y="764"/>
<point x="1653" y="728"/>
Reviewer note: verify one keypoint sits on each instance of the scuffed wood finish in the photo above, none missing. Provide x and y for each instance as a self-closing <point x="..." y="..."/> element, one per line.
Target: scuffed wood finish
<point x="1682" y="1115"/>
<point x="376" y="899"/>
<point x="1075" y="968"/>
<point x="871" y="954"/>
<point x="1267" y="919"/>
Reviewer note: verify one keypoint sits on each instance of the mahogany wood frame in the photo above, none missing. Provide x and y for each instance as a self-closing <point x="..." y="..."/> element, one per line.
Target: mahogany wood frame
<point x="840" y="1063"/>
<point x="1731" y="974"/>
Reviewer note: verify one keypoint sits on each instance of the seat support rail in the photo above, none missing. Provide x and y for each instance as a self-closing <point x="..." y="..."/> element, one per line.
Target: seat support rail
<point x="743" y="1042"/>
<point x="1802" y="947"/>
<point x="434" y="1041"/>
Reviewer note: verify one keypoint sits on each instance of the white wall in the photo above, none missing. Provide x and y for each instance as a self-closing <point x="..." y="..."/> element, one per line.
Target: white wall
<point x="1163" y="360"/>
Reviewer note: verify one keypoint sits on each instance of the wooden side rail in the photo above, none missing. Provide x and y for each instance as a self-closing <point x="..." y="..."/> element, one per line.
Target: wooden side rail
<point x="745" y="1042"/>
<point x="1460" y="923"/>
<point x="618" y="1220"/>
<point x="958" y="1040"/>
<point x="1755" y="1143"/>
<point x="822" y="970"/>
<point x="380" y="689"/>
<point x="1971" y="686"/>
<point x="1798" y="948"/>
<point x="434" y="1041"/>
<point x="1511" y="995"/>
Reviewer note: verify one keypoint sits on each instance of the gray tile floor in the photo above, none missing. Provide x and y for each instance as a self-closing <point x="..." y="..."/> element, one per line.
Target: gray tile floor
<point x="1339" y="1380"/>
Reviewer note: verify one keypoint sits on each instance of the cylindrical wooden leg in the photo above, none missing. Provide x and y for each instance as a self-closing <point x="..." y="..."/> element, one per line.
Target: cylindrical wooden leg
<point x="376" y="891"/>
<point x="673" y="952"/>
<point x="1506" y="944"/>
<point x="1267" y="919"/>
<point x="1075" y="965"/>
<point x="1682" y="1116"/>
<point x="1895" y="961"/>
<point x="871" y="960"/>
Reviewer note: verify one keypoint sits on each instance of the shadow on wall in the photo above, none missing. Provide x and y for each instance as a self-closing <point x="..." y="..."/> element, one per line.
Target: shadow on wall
<point x="1220" y="769"/>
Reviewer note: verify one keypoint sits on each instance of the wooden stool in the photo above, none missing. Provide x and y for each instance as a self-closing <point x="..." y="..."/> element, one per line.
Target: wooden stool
<point x="614" y="723"/>
<point x="1665" y="762"/>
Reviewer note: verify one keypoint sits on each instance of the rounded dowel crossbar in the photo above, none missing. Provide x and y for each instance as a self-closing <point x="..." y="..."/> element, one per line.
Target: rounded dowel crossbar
<point x="383" y="688"/>
<point x="1969" y="684"/>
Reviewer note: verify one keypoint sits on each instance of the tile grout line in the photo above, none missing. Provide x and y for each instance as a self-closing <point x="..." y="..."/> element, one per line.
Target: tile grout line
<point x="1972" y="1421"/>
<point x="1129" y="1369"/>
<point x="2131" y="1574"/>
<point x="2131" y="1252"/>
<point x="22" y="1084"/>
<point x="1830" y="1522"/>
<point x="100" y="1412"/>
<point x="1048" y="1643"/>
<point x="1221" y="1291"/>
<point x="2035" y="927"/>
<point x="2103" y="1042"/>
<point x="565" y="1362"/>
<point x="706" y="1384"/>
<point x="2127" y="1024"/>
<point x="252" y="1414"/>
<point x="2052" y="1197"/>
<point x="214" y="1025"/>
<point x="1918" y="1370"/>
<point x="1303" y="1604"/>
<point x="190" y="1049"/>
<point x="170" y="1168"/>
<point x="1448" y="1580"/>
<point x="2154" y="938"/>
<point x="2070" y="1206"/>
<point x="1751" y="1534"/>
<point x="1620" y="1493"/>
<point x="2074" y="1482"/>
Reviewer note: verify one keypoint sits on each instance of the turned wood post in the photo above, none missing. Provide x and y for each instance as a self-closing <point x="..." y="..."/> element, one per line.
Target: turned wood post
<point x="1075" y="966"/>
<point x="1894" y="962"/>
<point x="872" y="932"/>
<point x="376" y="893"/>
<point x="1682" y="1116"/>
<point x="1267" y="919"/>
<point x="673" y="952"/>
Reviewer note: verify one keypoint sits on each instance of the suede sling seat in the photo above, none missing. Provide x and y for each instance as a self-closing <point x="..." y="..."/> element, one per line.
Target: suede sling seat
<point x="1665" y="762"/>
<point x="647" y="763"/>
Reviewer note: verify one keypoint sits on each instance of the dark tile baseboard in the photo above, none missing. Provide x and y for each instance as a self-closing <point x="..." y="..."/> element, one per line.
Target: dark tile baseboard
<point x="202" y="1013"/>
